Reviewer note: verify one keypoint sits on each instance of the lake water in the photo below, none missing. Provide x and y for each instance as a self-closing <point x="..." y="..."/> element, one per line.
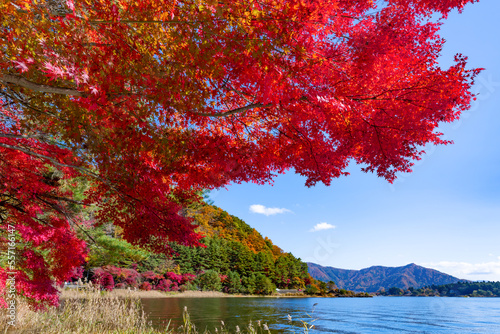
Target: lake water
<point x="336" y="315"/>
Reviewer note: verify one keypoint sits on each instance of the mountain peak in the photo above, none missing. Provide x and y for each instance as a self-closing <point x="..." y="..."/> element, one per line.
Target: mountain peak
<point x="413" y="265"/>
<point x="374" y="278"/>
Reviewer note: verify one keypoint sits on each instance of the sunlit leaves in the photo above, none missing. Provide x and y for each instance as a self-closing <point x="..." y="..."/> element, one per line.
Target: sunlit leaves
<point x="156" y="100"/>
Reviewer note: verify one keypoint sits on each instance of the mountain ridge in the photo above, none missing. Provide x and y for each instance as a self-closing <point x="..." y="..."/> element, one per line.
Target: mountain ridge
<point x="375" y="278"/>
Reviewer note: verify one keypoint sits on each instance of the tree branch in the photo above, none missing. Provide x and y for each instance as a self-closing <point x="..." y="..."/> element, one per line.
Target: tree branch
<point x="35" y="136"/>
<point x="9" y="78"/>
<point x="235" y="111"/>
<point x="62" y="211"/>
<point x="81" y="169"/>
<point x="54" y="161"/>
<point x="69" y="200"/>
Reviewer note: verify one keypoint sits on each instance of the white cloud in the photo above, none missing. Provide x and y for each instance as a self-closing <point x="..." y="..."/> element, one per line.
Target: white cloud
<point x="321" y="227"/>
<point x="488" y="271"/>
<point x="257" y="208"/>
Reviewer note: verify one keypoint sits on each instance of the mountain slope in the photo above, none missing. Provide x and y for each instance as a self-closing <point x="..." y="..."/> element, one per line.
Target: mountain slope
<point x="375" y="278"/>
<point x="234" y="246"/>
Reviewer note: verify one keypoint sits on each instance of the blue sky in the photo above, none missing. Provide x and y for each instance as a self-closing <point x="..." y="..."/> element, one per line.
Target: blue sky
<point x="445" y="215"/>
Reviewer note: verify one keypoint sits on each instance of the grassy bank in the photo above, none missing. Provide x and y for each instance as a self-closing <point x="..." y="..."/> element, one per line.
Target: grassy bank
<point x="94" y="313"/>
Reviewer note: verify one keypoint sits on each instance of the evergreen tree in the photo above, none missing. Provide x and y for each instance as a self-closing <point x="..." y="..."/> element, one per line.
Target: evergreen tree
<point x="249" y="283"/>
<point x="210" y="281"/>
<point x="263" y="285"/>
<point x="233" y="284"/>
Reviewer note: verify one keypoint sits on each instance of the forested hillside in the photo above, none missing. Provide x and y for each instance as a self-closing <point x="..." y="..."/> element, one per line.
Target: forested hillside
<point x="459" y="289"/>
<point x="235" y="259"/>
<point x="234" y="246"/>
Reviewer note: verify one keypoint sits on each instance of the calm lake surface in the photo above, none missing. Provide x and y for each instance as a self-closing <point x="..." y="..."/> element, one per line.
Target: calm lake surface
<point x="335" y="315"/>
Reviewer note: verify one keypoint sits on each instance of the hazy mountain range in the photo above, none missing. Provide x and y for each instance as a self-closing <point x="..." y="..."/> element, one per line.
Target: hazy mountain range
<point x="375" y="278"/>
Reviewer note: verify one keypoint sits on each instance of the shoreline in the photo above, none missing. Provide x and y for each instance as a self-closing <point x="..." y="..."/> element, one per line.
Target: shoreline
<point x="122" y="293"/>
<point x="152" y="294"/>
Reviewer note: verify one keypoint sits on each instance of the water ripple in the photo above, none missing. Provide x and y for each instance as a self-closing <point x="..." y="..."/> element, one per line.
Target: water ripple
<point x="337" y="315"/>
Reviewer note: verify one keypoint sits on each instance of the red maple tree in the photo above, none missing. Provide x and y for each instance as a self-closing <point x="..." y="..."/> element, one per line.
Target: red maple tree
<point x="153" y="101"/>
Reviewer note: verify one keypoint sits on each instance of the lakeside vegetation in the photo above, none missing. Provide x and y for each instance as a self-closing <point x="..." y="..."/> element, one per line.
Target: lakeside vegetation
<point x="459" y="289"/>
<point x="234" y="259"/>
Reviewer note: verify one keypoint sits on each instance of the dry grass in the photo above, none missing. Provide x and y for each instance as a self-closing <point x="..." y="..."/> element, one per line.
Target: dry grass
<point x="84" y="315"/>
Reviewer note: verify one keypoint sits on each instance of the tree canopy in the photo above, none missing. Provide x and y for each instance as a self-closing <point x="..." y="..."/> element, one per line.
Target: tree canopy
<point x="153" y="101"/>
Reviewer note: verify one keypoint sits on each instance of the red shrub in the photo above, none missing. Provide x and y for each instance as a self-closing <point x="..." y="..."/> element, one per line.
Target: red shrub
<point x="173" y="277"/>
<point x="103" y="278"/>
<point x="188" y="278"/>
<point x="151" y="276"/>
<point x="163" y="285"/>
